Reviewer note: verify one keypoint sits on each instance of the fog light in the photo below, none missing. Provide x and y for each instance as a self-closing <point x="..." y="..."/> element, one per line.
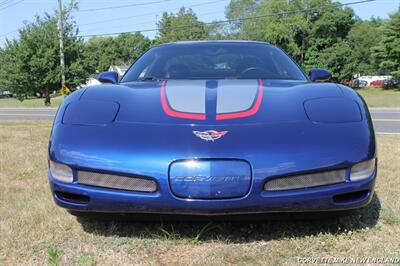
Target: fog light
<point x="362" y="170"/>
<point x="61" y="172"/>
<point x="306" y="180"/>
<point x="131" y="183"/>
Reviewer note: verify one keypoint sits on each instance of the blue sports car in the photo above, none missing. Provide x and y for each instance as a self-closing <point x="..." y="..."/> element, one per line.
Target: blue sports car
<point x="212" y="128"/>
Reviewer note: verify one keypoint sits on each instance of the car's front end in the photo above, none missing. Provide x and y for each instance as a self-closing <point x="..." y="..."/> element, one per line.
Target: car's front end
<point x="187" y="147"/>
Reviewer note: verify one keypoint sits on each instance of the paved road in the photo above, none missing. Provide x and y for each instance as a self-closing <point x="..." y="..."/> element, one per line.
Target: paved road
<point x="386" y="120"/>
<point x="27" y="113"/>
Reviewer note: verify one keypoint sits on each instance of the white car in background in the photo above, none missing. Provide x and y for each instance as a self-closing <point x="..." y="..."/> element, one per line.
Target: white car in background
<point x="6" y="94"/>
<point x="370" y="79"/>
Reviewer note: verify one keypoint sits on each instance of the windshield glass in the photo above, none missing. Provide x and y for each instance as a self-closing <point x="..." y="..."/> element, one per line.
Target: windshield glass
<point x="214" y="61"/>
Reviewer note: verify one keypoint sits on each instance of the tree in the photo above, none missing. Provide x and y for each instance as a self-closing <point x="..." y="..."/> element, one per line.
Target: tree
<point x="327" y="42"/>
<point x="31" y="63"/>
<point x="336" y="58"/>
<point x="387" y="52"/>
<point x="308" y="30"/>
<point x="13" y="76"/>
<point x="183" y="26"/>
<point x="362" y="38"/>
<point x="281" y="23"/>
<point x="240" y="9"/>
<point x="3" y="60"/>
<point x="291" y="25"/>
<point x="122" y="49"/>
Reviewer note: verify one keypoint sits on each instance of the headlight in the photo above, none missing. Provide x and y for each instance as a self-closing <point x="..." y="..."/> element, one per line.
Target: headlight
<point x="332" y="110"/>
<point x="61" y="172"/>
<point x="90" y="112"/>
<point x="362" y="170"/>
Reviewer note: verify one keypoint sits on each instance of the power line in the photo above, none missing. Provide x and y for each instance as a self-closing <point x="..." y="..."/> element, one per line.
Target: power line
<point x="122" y="6"/>
<point x="128" y="17"/>
<point x="148" y="21"/>
<point x="3" y="3"/>
<point x="210" y="23"/>
<point x="148" y="14"/>
<point x="231" y="20"/>
<point x="13" y="4"/>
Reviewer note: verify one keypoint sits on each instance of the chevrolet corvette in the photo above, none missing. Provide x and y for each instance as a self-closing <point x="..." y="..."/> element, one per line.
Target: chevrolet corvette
<point x="212" y="128"/>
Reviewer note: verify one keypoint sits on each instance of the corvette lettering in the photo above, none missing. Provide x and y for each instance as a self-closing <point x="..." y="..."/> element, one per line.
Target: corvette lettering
<point x="209" y="178"/>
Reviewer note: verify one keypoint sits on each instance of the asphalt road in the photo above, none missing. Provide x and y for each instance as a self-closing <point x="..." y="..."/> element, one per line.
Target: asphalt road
<point x="27" y="113"/>
<point x="386" y="120"/>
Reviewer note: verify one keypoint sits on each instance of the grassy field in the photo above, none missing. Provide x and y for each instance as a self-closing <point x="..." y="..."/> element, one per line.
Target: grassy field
<point x="378" y="97"/>
<point x="375" y="97"/>
<point x="29" y="103"/>
<point x="33" y="231"/>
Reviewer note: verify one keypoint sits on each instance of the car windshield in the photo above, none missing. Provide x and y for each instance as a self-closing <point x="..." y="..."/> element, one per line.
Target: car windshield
<point x="213" y="60"/>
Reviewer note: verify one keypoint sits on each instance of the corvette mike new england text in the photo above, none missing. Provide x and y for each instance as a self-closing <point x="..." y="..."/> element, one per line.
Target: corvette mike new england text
<point x="349" y="260"/>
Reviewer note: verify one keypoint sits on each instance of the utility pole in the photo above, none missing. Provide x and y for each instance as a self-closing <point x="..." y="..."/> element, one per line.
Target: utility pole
<point x="61" y="32"/>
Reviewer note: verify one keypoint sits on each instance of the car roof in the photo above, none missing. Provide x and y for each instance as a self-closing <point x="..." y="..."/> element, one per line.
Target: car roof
<point x="212" y="42"/>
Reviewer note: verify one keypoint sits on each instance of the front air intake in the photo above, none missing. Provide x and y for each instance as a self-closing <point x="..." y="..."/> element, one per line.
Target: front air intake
<point x="135" y="183"/>
<point x="306" y="180"/>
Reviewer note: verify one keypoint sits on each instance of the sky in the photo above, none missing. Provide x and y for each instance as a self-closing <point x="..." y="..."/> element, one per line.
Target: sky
<point x="144" y="15"/>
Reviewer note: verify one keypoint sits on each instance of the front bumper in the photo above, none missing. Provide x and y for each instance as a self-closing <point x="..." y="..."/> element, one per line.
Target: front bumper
<point x="343" y="196"/>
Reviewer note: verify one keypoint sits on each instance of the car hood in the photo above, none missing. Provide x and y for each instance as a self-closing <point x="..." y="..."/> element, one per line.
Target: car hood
<point x="125" y="128"/>
<point x="205" y="102"/>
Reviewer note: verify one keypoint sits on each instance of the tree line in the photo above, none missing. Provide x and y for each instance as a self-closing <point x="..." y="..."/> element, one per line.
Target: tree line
<point x="316" y="33"/>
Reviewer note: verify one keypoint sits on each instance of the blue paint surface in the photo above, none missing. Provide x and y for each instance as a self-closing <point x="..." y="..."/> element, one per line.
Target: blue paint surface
<point x="281" y="139"/>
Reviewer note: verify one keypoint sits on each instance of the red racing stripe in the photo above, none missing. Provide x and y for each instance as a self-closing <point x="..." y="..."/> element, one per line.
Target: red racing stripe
<point x="253" y="110"/>
<point x="168" y="110"/>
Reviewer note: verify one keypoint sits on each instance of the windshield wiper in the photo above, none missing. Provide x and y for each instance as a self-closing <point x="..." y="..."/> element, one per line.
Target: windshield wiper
<point x="149" y="78"/>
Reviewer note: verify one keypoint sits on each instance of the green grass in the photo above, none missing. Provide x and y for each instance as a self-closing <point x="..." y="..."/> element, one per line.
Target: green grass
<point x="86" y="259"/>
<point x="378" y="97"/>
<point x="29" y="103"/>
<point x="34" y="231"/>
<point x="53" y="255"/>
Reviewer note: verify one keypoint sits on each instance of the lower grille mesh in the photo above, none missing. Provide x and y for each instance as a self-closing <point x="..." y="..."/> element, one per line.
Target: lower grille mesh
<point x="116" y="181"/>
<point x="307" y="180"/>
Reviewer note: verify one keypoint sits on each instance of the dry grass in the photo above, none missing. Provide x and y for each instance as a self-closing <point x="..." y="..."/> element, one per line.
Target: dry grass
<point x="33" y="231"/>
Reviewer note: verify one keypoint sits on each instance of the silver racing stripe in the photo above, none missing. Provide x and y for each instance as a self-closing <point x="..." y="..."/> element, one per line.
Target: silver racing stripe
<point x="187" y="96"/>
<point x="236" y="95"/>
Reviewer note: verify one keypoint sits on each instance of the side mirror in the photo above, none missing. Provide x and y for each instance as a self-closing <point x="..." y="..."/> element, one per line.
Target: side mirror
<point x="108" y="77"/>
<point x="319" y="74"/>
